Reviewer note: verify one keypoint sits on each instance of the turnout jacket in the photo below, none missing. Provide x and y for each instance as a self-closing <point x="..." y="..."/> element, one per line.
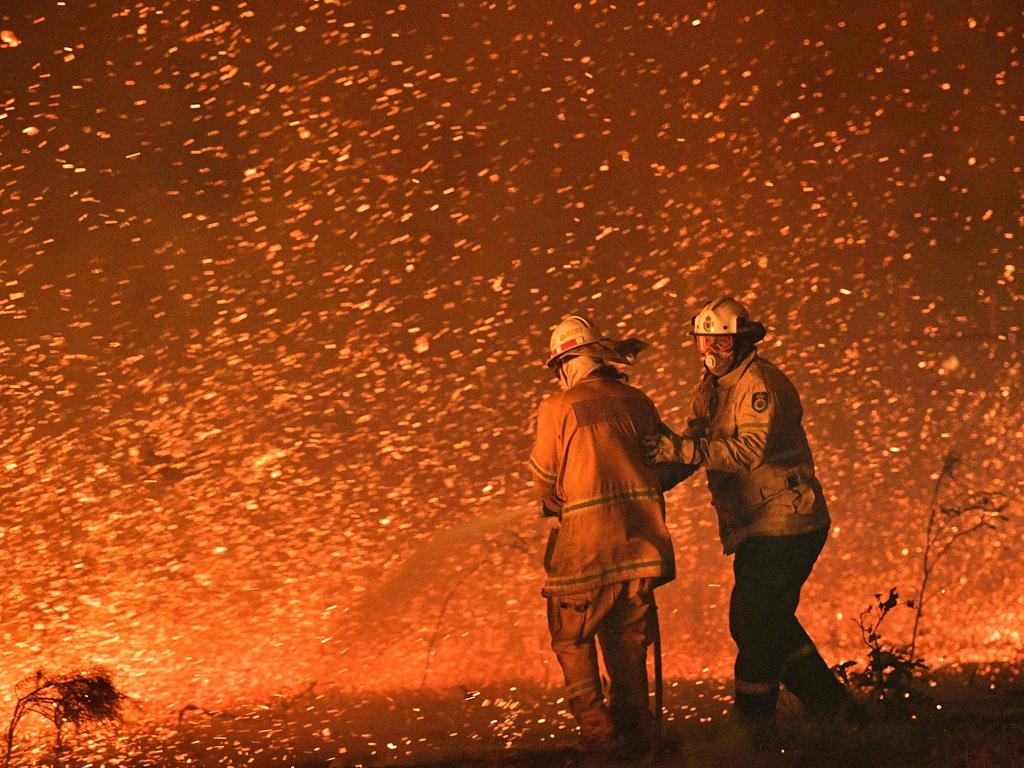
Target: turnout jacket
<point x="589" y="469"/>
<point x="759" y="466"/>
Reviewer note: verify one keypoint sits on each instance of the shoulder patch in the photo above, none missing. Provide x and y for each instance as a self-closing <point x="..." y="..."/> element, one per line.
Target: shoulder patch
<point x="759" y="402"/>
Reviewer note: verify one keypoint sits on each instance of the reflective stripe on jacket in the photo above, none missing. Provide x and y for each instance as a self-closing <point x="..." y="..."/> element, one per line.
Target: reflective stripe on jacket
<point x="759" y="466"/>
<point x="588" y="466"/>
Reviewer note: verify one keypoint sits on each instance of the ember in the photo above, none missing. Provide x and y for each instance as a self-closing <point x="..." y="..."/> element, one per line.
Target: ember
<point x="278" y="281"/>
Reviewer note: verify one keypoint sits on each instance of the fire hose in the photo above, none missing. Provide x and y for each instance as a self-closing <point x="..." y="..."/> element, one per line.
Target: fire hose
<point x="659" y="688"/>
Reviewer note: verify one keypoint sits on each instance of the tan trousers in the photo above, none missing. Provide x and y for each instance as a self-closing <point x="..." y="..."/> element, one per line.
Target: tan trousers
<point x="618" y="616"/>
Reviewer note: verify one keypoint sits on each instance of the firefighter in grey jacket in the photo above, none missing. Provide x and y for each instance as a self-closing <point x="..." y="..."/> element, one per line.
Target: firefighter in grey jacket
<point x="745" y="429"/>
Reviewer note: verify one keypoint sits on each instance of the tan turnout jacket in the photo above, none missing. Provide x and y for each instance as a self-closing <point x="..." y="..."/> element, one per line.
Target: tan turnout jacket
<point x="588" y="466"/>
<point x="759" y="466"/>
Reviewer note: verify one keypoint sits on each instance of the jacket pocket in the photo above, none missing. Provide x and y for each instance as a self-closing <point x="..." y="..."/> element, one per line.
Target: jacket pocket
<point x="567" y="618"/>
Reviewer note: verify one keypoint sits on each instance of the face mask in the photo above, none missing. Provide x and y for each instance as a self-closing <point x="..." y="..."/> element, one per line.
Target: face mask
<point x="719" y="353"/>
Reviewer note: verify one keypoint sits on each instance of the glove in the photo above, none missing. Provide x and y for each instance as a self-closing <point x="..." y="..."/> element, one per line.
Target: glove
<point x="691" y="451"/>
<point x="550" y="517"/>
<point x="697" y="427"/>
<point x="671" y="448"/>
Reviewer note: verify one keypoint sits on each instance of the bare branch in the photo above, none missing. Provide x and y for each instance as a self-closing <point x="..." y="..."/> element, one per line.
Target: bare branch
<point x="76" y="698"/>
<point x="965" y="513"/>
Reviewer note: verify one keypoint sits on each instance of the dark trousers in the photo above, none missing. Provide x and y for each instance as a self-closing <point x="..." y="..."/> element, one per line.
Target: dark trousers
<point x="772" y="646"/>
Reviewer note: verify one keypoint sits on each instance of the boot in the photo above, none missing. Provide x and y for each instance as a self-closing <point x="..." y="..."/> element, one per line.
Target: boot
<point x="819" y="690"/>
<point x="850" y="716"/>
<point x="637" y="728"/>
<point x="754" y="714"/>
<point x="597" y="732"/>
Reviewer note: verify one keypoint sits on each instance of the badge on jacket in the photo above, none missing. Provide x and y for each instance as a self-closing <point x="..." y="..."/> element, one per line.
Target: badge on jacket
<point x="759" y="402"/>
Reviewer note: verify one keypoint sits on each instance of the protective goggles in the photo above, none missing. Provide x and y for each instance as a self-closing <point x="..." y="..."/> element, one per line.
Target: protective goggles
<point x="706" y="343"/>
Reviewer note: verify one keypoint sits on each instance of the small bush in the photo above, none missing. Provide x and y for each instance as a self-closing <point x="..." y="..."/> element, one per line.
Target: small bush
<point x="78" y="698"/>
<point x="890" y="670"/>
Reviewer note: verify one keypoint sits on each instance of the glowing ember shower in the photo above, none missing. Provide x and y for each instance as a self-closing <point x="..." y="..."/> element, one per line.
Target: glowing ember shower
<point x="278" y="280"/>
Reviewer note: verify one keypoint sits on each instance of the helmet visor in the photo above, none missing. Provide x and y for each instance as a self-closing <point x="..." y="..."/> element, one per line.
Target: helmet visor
<point x="707" y="343"/>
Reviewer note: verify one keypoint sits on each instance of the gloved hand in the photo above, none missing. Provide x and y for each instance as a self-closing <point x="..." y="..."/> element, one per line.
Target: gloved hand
<point x="697" y="427"/>
<point x="550" y="516"/>
<point x="661" y="448"/>
<point x="546" y="511"/>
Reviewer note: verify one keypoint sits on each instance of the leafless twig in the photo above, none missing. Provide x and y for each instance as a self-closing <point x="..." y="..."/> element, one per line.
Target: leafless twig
<point x="76" y="698"/>
<point x="954" y="514"/>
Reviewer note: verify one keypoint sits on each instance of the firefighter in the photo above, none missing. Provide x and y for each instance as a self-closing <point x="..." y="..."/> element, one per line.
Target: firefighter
<point x="745" y="429"/>
<point x="609" y="546"/>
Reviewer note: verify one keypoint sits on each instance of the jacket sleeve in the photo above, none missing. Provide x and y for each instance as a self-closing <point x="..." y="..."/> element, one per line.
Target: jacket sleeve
<point x="755" y="406"/>
<point x="544" y="459"/>
<point x="669" y="474"/>
<point x="697" y="421"/>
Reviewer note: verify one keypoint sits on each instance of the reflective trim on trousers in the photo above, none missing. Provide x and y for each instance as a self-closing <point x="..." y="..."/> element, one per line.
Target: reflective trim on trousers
<point x="755" y="689"/>
<point x="583" y="687"/>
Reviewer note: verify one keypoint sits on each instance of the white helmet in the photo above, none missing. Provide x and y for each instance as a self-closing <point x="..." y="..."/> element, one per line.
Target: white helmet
<point x="577" y="335"/>
<point x="571" y="334"/>
<point x="726" y="318"/>
<point x="723" y="317"/>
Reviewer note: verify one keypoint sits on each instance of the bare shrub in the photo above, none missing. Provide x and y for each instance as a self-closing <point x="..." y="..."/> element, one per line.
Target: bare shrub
<point x="890" y="669"/>
<point x="956" y="512"/>
<point x="77" y="698"/>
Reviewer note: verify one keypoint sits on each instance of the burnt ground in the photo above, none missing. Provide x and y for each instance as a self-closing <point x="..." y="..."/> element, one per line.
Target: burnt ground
<point x="963" y="718"/>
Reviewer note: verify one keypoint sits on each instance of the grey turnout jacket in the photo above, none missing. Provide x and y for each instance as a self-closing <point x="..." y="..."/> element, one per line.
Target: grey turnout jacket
<point x="759" y="466"/>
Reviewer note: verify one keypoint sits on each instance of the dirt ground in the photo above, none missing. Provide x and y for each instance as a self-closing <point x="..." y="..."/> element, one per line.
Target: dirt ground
<point x="965" y="719"/>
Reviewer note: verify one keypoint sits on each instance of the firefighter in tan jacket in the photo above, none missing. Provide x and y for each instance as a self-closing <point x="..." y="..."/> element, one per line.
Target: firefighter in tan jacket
<point x="745" y="429"/>
<point x="609" y="546"/>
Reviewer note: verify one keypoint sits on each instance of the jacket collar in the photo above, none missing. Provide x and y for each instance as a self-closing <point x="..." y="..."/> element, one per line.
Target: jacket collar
<point x="730" y="379"/>
<point x="579" y="369"/>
